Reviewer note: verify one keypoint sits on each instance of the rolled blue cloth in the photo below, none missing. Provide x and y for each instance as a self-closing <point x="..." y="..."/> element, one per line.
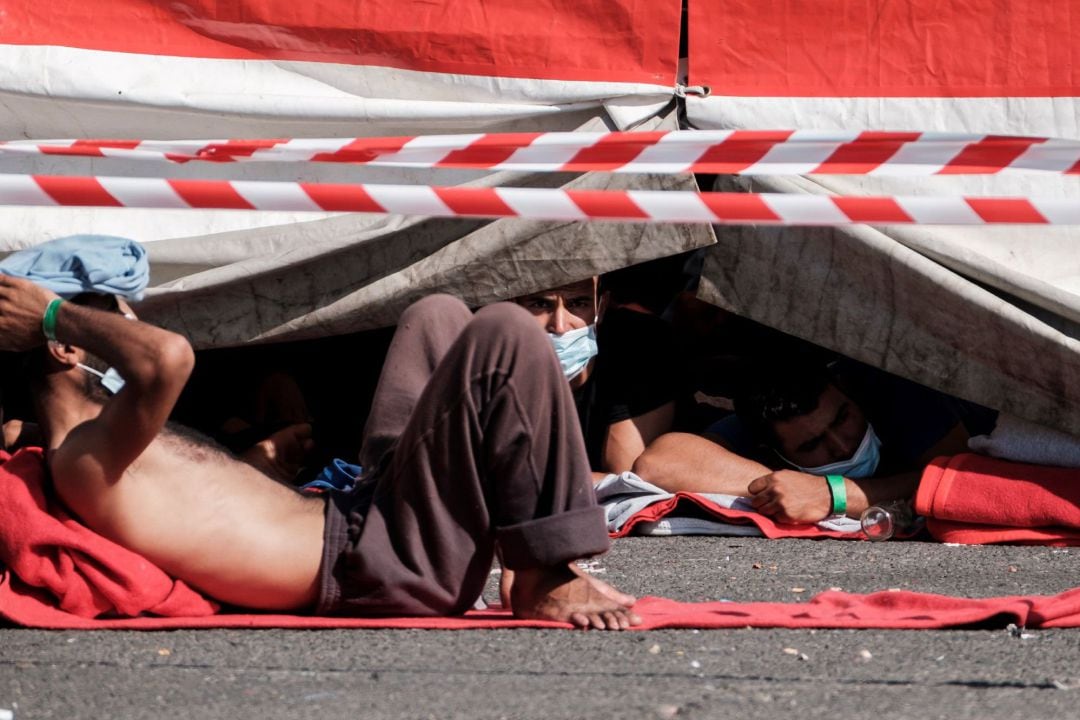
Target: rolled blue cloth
<point x="83" y="263"/>
<point x="338" y="475"/>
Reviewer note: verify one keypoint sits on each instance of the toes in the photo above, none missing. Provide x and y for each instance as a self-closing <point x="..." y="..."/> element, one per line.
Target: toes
<point x="617" y="620"/>
<point x="580" y="620"/>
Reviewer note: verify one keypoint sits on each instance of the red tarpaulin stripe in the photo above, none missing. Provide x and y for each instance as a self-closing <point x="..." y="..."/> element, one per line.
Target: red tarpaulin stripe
<point x="85" y="191"/>
<point x="989" y="155"/>
<point x="867" y="152"/>
<point x="872" y="210"/>
<point x="601" y="204"/>
<point x="739" y="207"/>
<point x="484" y="202"/>
<point x="236" y="148"/>
<point x="614" y="151"/>
<point x="740" y="150"/>
<point x="216" y="194"/>
<point x="342" y="198"/>
<point x="597" y="41"/>
<point x="488" y="151"/>
<point x="1005" y="210"/>
<point x="910" y="49"/>
<point x="363" y="150"/>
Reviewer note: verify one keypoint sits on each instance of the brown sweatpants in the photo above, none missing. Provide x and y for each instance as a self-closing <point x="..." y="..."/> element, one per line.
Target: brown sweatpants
<point x="473" y="438"/>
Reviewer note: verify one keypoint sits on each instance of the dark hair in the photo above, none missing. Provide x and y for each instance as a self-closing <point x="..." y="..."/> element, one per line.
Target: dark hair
<point x="775" y="393"/>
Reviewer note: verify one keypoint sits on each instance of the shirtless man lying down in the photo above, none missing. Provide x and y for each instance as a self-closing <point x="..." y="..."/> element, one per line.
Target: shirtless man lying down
<point x="472" y="442"/>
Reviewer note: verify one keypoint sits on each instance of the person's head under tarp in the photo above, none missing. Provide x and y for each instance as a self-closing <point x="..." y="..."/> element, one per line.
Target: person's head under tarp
<point x="620" y="362"/>
<point x="803" y="416"/>
<point x="810" y="442"/>
<point x="570" y="314"/>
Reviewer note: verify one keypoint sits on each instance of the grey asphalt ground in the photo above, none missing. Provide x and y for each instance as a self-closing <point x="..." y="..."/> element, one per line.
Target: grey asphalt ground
<point x="986" y="673"/>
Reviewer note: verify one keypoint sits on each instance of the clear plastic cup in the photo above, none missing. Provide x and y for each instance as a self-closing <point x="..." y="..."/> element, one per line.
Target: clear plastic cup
<point x="884" y="521"/>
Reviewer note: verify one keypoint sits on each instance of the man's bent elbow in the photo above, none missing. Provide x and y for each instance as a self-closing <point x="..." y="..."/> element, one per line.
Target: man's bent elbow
<point x="177" y="359"/>
<point x="169" y="367"/>
<point x="645" y="466"/>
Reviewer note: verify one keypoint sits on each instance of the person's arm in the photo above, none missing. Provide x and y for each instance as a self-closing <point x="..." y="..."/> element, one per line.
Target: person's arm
<point x="796" y="497"/>
<point x="790" y="496"/>
<point x="627" y="439"/>
<point x="691" y="463"/>
<point x="154" y="363"/>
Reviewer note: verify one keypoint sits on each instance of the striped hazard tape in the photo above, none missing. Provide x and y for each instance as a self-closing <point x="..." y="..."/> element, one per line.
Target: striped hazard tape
<point x="639" y="206"/>
<point x="744" y="152"/>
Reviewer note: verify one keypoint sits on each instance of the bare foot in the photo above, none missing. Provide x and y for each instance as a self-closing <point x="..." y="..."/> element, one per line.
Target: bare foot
<point x="506" y="582"/>
<point x="566" y="594"/>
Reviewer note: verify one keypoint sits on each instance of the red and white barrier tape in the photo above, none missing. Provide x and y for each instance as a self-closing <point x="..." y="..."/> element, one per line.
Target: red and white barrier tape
<point x="744" y="152"/>
<point x="639" y="206"/>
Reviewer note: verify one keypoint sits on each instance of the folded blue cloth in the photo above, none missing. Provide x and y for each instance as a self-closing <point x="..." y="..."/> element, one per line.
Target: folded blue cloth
<point x="83" y="263"/>
<point x="338" y="475"/>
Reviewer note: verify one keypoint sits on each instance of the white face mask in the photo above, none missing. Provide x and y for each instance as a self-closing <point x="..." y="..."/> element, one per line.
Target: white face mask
<point x="862" y="464"/>
<point x="575" y="349"/>
<point x="110" y="379"/>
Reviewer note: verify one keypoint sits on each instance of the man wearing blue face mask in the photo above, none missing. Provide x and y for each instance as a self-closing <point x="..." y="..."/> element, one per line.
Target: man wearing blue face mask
<point x="618" y="363"/>
<point x="817" y="443"/>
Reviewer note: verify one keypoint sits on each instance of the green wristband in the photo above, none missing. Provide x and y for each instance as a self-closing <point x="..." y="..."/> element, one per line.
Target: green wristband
<point x="48" y="320"/>
<point x="839" y="494"/>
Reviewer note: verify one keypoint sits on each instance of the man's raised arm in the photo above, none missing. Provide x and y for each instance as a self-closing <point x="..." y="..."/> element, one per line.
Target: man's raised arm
<point x="154" y="363"/>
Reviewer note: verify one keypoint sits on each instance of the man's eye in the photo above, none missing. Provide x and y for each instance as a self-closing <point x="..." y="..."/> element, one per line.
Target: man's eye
<point x="581" y="303"/>
<point x="538" y="305"/>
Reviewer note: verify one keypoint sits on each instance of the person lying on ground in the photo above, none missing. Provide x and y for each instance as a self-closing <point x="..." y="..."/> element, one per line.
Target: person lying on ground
<point x="618" y="361"/>
<point x="808" y="443"/>
<point x="475" y="442"/>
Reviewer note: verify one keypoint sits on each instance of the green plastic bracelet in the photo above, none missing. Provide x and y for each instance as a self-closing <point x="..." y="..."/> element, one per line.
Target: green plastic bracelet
<point x="839" y="494"/>
<point x="48" y="320"/>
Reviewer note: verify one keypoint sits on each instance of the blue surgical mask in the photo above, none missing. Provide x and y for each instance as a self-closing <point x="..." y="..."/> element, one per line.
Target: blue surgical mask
<point x="110" y="379"/>
<point x="862" y="464"/>
<point x="575" y="349"/>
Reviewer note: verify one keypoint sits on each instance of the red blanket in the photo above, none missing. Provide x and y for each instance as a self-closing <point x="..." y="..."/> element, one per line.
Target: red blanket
<point x="893" y="610"/>
<point x="974" y="499"/>
<point x="61" y="575"/>
<point x="78" y="571"/>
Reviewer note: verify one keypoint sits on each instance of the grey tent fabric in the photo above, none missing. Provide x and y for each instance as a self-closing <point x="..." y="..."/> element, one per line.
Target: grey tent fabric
<point x="976" y="327"/>
<point x="356" y="272"/>
<point x="348" y="274"/>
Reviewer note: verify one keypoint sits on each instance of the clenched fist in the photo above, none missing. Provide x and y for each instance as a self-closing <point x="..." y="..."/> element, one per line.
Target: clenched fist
<point x="22" y="304"/>
<point x="791" y="497"/>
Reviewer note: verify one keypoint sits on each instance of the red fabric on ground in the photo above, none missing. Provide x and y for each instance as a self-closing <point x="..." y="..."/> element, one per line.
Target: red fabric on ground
<point x="974" y="499"/>
<point x="769" y="528"/>
<point x="888" y="610"/>
<point x="75" y="569"/>
<point x="63" y="576"/>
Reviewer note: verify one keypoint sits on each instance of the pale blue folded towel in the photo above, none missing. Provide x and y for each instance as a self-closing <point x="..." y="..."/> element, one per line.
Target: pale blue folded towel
<point x="83" y="263"/>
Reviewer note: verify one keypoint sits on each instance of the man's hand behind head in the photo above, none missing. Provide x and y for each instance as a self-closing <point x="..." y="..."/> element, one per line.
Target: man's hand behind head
<point x="22" y="306"/>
